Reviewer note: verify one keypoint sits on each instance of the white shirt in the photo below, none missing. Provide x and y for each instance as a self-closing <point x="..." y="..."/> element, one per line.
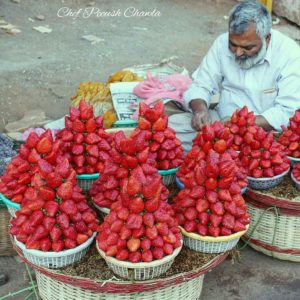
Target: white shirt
<point x="270" y="88"/>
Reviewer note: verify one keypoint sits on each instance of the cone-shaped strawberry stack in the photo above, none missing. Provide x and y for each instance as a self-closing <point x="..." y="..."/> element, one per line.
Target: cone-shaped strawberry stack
<point x="106" y="189"/>
<point x="242" y="126"/>
<point x="290" y="137"/>
<point x="215" y="137"/>
<point x="54" y="214"/>
<point x="140" y="225"/>
<point x="19" y="172"/>
<point x="211" y="203"/>
<point x="153" y="130"/>
<point x="264" y="157"/>
<point x="84" y="141"/>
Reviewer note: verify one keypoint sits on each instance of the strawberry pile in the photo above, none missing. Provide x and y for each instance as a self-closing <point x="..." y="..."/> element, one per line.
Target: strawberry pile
<point x="211" y="203"/>
<point x="19" y="172"/>
<point x="264" y="157"/>
<point x="54" y="214"/>
<point x="212" y="137"/>
<point x="290" y="137"/>
<point x="140" y="225"/>
<point x="126" y="155"/>
<point x="296" y="171"/>
<point x="84" y="141"/>
<point x="242" y="126"/>
<point x="153" y="131"/>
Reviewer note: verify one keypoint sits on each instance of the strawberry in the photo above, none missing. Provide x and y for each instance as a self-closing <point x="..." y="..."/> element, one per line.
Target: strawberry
<point x="122" y="255"/>
<point x="44" y="146"/>
<point x="65" y="191"/>
<point x="202" y="229"/>
<point x="81" y="238"/>
<point x="202" y="205"/>
<point x="63" y="220"/>
<point x="214" y="231"/>
<point x="58" y="246"/>
<point x="133" y="244"/>
<point x="135" y="257"/>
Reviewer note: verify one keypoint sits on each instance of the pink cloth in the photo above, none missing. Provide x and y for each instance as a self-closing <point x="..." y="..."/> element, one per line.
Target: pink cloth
<point x="169" y="87"/>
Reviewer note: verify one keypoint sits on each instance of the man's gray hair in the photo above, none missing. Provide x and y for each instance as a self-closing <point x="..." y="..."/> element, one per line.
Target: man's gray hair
<point x="250" y="12"/>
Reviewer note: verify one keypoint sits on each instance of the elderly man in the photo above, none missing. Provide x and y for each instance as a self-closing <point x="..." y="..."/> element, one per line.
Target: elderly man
<point x="250" y="65"/>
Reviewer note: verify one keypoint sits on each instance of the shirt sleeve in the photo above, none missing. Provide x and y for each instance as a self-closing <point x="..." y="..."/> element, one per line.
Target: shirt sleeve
<point x="288" y="98"/>
<point x="207" y="77"/>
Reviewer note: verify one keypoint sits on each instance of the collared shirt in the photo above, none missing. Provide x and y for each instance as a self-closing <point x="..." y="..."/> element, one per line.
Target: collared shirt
<point x="271" y="88"/>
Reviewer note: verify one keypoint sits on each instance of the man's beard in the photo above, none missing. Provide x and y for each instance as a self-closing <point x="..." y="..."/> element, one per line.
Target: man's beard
<point x="248" y="62"/>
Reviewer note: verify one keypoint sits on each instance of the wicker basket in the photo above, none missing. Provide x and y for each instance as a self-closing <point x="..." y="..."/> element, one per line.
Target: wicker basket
<point x="295" y="181"/>
<point x="274" y="228"/>
<point x="140" y="271"/>
<point x="265" y="183"/>
<point x="6" y="247"/>
<point x="56" y="259"/>
<point x="208" y="244"/>
<point x="85" y="181"/>
<point x="51" y="289"/>
<point x="11" y="206"/>
<point x="53" y="285"/>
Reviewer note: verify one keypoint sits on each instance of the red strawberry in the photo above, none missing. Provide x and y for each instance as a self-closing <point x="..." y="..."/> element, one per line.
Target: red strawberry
<point x="44" y="146"/>
<point x="58" y="246"/>
<point x="63" y="220"/>
<point x="65" y="191"/>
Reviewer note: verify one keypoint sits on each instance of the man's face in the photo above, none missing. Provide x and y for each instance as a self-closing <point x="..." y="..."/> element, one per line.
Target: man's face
<point x="248" y="48"/>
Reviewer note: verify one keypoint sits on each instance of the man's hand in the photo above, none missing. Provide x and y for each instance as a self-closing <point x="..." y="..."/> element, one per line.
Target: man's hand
<point x="262" y="122"/>
<point x="200" y="119"/>
<point x="201" y="114"/>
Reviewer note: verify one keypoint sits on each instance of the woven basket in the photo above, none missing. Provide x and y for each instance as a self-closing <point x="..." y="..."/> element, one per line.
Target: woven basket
<point x="56" y="286"/>
<point x="265" y="183"/>
<point x="51" y="289"/>
<point x="295" y="181"/>
<point x="6" y="247"/>
<point x="209" y="244"/>
<point x="11" y="206"/>
<point x="140" y="271"/>
<point x="56" y="259"/>
<point x="274" y="229"/>
<point x="85" y="181"/>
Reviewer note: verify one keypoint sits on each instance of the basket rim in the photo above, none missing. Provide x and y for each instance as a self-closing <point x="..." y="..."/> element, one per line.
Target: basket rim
<point x="154" y="263"/>
<point x="293" y="158"/>
<point x="212" y="239"/>
<point x="88" y="176"/>
<point x="9" y="202"/>
<point x="268" y="178"/>
<point x="167" y="172"/>
<point x="51" y="254"/>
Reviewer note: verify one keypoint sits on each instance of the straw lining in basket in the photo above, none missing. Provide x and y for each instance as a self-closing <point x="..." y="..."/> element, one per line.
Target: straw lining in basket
<point x="51" y="289"/>
<point x="140" y="271"/>
<point x="6" y="247"/>
<point x="56" y="259"/>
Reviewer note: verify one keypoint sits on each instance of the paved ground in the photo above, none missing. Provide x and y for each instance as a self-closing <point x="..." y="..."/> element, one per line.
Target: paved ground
<point x="43" y="71"/>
